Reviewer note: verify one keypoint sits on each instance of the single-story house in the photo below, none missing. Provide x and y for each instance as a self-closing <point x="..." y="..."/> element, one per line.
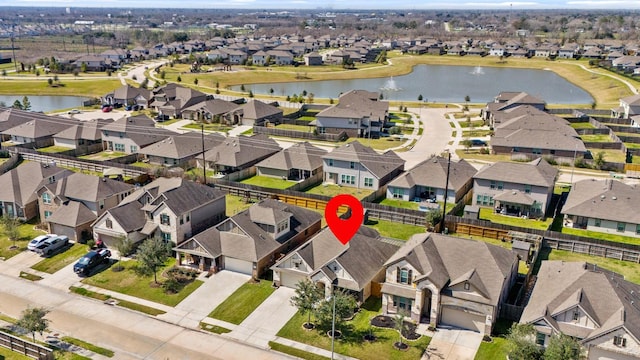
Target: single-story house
<point x="298" y="162"/>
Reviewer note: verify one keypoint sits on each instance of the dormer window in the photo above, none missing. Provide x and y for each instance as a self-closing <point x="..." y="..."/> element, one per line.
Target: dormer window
<point x="282" y="226"/>
<point x="403" y="276"/>
<point x="467" y="286"/>
<point x="352" y="165"/>
<point x="164" y="219"/>
<point x="46" y="198"/>
<point x="619" y="341"/>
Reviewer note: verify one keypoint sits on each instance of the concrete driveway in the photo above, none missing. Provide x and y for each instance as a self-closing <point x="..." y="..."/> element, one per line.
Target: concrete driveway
<point x="265" y="321"/>
<point x="19" y="262"/>
<point x="453" y="344"/>
<point x="435" y="137"/>
<point x="197" y="306"/>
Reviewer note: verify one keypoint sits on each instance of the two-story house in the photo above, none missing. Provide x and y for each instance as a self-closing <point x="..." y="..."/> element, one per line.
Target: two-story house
<point x="629" y="106"/>
<point x="444" y="280"/>
<point x="507" y="100"/>
<point x="359" y="113"/>
<point x="130" y="134"/>
<point x="18" y="186"/>
<point x="607" y="206"/>
<point x="358" y="166"/>
<point x="589" y="303"/>
<point x="171" y="208"/>
<point x="428" y="180"/>
<point x="252" y="240"/>
<point x="518" y="189"/>
<point x="69" y="205"/>
<point x="327" y="262"/>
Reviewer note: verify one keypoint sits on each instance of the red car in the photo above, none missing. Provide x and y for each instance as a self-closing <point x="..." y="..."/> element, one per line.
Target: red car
<point x="107" y="108"/>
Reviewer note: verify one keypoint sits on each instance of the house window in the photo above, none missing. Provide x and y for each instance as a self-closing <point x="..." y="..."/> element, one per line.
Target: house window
<point x="467" y="286"/>
<point x="282" y="226"/>
<point x="352" y="165"/>
<point x="398" y="193"/>
<point x="121" y="135"/>
<point x="109" y="224"/>
<point x="597" y="222"/>
<point x="527" y="189"/>
<point x="403" y="276"/>
<point x="134" y="149"/>
<point x="101" y="204"/>
<point x="321" y="130"/>
<point x="330" y="162"/>
<point x="536" y="151"/>
<point x="402" y="303"/>
<point x="500" y="185"/>
<point x="52" y="179"/>
<point x="164" y="219"/>
<point x="348" y="179"/>
<point x="47" y="213"/>
<point x="181" y="220"/>
<point x="619" y="341"/>
<point x="540" y="337"/>
<point x="119" y="147"/>
<point x="637" y="229"/>
<point x="46" y="198"/>
<point x="621" y="226"/>
<point x="576" y="315"/>
<point x="106" y="133"/>
<point x="188" y="218"/>
<point x="368" y="182"/>
<point x="165" y="236"/>
<point x="493" y="185"/>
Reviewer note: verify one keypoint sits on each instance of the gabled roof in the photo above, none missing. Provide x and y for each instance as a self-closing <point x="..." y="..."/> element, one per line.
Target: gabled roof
<point x="608" y="299"/>
<point x="241" y="150"/>
<point x="130" y="216"/>
<point x="40" y="127"/>
<point x="633" y="100"/>
<point x="71" y="214"/>
<point x="446" y="261"/>
<point x="303" y="156"/>
<point x="183" y="145"/>
<point x="19" y="185"/>
<point x="129" y="92"/>
<point x="604" y="199"/>
<point x="185" y="197"/>
<point x="537" y="172"/>
<point x="514" y="197"/>
<point x="358" y="104"/>
<point x="87" y="130"/>
<point x="213" y="106"/>
<point x="256" y="109"/>
<point x="378" y="164"/>
<point x="82" y="187"/>
<point x="140" y="129"/>
<point x="433" y="173"/>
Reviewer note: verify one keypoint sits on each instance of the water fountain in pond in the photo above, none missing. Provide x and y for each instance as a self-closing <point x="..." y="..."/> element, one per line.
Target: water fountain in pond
<point x="477" y="71"/>
<point x="390" y="85"/>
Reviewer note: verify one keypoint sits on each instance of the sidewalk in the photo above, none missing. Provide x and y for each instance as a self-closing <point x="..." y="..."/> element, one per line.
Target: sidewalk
<point x="126" y="297"/>
<point x="311" y="349"/>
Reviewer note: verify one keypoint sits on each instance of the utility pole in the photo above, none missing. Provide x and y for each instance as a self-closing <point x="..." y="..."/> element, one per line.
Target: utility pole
<point x="204" y="161"/>
<point x="13" y="49"/>
<point x="446" y="191"/>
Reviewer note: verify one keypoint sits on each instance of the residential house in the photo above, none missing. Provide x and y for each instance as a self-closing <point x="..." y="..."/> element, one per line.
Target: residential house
<point x="359" y="113"/>
<point x="568" y="51"/>
<point x="355" y="267"/>
<point x="128" y="95"/>
<point x="508" y="100"/>
<point x="39" y="131"/>
<point x="254" y="112"/>
<point x="629" y="106"/>
<point x="428" y="180"/>
<point x="313" y="59"/>
<point x="444" y="280"/>
<point x="527" y="133"/>
<point x="238" y="153"/>
<point x="18" y="186"/>
<point x="358" y="166"/>
<point x="69" y="205"/>
<point x="280" y="57"/>
<point x="586" y="302"/>
<point x="179" y="149"/>
<point x="208" y="111"/>
<point x="260" y="58"/>
<point x="130" y="134"/>
<point x="252" y="240"/>
<point x="497" y="50"/>
<point x="171" y="208"/>
<point x="607" y="206"/>
<point x="298" y="162"/>
<point x="11" y="117"/>
<point x="83" y="135"/>
<point x="236" y="57"/>
<point x="172" y="99"/>
<point x="515" y="188"/>
<point x="91" y="62"/>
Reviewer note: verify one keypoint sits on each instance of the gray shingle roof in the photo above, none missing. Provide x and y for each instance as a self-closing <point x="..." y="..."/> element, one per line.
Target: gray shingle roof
<point x="130" y="216"/>
<point x="302" y="156"/>
<point x="72" y="214"/>
<point x="256" y="109"/>
<point x="537" y="172"/>
<point x="183" y="145"/>
<point x="604" y="199"/>
<point x="87" y="130"/>
<point x="241" y="150"/>
<point x="20" y="184"/>
<point x="378" y="164"/>
<point x="358" y="104"/>
<point x="140" y="129"/>
<point x="433" y="173"/>
<point x="89" y="188"/>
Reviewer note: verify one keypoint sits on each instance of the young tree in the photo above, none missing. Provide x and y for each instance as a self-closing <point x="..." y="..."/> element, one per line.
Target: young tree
<point x="306" y="298"/>
<point x="433" y="217"/>
<point x="420" y="97"/>
<point x="195" y="81"/>
<point x="152" y="254"/>
<point x="83" y="67"/>
<point x="124" y="247"/>
<point x="521" y="343"/>
<point x="179" y="79"/>
<point x="598" y="161"/>
<point x="563" y="347"/>
<point x="17" y="105"/>
<point x="398" y="322"/>
<point x="345" y="304"/>
<point x="467" y="144"/>
<point x="33" y="321"/>
<point x="50" y="81"/>
<point x="10" y="225"/>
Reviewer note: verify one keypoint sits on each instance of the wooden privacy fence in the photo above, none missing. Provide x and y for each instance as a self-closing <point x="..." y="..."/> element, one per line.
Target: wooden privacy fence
<point x="24" y="347"/>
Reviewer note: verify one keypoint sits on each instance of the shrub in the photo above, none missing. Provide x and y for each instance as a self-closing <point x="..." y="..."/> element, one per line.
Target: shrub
<point x="171" y="285"/>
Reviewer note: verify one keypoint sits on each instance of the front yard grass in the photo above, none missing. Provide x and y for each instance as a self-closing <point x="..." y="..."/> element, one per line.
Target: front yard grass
<point x="295" y="352"/>
<point x="213" y="328"/>
<point x="352" y="344"/>
<point x="122" y="303"/>
<point x="395" y="230"/>
<point x="497" y="349"/>
<point x="26" y="231"/>
<point x="269" y="182"/>
<point x="333" y="190"/>
<point x="61" y="259"/>
<point x="476" y="133"/>
<point x="302" y="128"/>
<point x="88" y="346"/>
<point x="130" y="282"/>
<point x="243" y="302"/>
<point x="208" y="127"/>
<point x="489" y="215"/>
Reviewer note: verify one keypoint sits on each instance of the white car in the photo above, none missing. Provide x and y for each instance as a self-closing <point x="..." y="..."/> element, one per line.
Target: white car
<point x="74" y="111"/>
<point x="38" y="240"/>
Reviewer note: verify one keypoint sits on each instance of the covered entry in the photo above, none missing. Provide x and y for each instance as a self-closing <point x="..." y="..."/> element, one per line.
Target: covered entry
<point x="462" y="318"/>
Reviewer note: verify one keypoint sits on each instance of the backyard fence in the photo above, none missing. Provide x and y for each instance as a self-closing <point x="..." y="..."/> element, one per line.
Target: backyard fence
<point x="24" y="347"/>
<point x="300" y="134"/>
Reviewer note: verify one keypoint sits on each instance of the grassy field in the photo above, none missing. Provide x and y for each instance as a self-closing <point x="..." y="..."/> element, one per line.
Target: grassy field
<point x="582" y="125"/>
<point x="610" y="155"/>
<point x="58" y="261"/>
<point x="103" y="155"/>
<point x="489" y="215"/>
<point x="270" y="182"/>
<point x="302" y="128"/>
<point x="243" y="302"/>
<point x="235" y="204"/>
<point x="78" y="87"/>
<point x="54" y="149"/>
<point x="122" y="303"/>
<point x="497" y="349"/>
<point x="412" y="205"/>
<point x="333" y="190"/>
<point x="596" y="138"/>
<point x="352" y="344"/>
<point x="27" y="232"/>
<point x="130" y="282"/>
<point x="208" y="127"/>
<point x="88" y="346"/>
<point x="476" y="133"/>
<point x="395" y="230"/>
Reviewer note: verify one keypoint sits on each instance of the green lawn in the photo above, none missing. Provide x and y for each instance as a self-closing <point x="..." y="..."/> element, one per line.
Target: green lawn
<point x="103" y="155"/>
<point x="302" y="128"/>
<point x="88" y="346"/>
<point x="596" y="138"/>
<point x="476" y="133"/>
<point x="602" y="236"/>
<point x="582" y="125"/>
<point x="214" y="328"/>
<point x="395" y="230"/>
<point x="27" y="232"/>
<point x="333" y="190"/>
<point x="208" y="127"/>
<point x="122" y="303"/>
<point x="352" y="343"/>
<point x="493" y="350"/>
<point x="129" y="282"/>
<point x="54" y="149"/>
<point x="268" y="181"/>
<point x="168" y="122"/>
<point x="412" y="205"/>
<point x="58" y="261"/>
<point x="243" y="302"/>
<point x="489" y="215"/>
<point x="471" y="124"/>
<point x="6" y="354"/>
<point x="235" y="204"/>
<point x="295" y="352"/>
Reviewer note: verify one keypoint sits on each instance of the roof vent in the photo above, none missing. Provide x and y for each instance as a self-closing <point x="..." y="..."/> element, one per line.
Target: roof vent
<point x="614" y="198"/>
<point x="602" y="197"/>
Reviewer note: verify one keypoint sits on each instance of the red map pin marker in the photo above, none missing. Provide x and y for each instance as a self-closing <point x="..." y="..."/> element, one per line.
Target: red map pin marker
<point x="344" y="229"/>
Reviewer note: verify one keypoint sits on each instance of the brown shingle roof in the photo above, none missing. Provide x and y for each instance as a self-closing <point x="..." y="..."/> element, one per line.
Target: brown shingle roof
<point x="302" y="156"/>
<point x="433" y="173"/>
<point x="537" y="172"/>
<point x="604" y="199"/>
<point x="379" y="165"/>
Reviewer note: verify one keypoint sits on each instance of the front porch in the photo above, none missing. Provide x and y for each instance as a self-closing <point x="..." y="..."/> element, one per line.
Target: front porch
<point x="414" y="303"/>
<point x="516" y="203"/>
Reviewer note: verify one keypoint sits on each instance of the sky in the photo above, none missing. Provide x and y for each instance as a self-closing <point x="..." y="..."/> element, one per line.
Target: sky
<point x="340" y="4"/>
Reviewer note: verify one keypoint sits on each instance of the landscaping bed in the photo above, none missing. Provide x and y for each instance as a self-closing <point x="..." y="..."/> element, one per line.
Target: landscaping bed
<point x="384" y="321"/>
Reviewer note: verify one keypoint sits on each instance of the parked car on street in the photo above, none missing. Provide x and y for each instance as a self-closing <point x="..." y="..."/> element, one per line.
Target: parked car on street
<point x="91" y="260"/>
<point x="106" y="108"/>
<point x="38" y="240"/>
<point x="52" y="245"/>
<point x="74" y="111"/>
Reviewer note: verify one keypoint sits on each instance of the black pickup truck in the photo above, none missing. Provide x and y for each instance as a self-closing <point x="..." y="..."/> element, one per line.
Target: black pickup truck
<point x="91" y="260"/>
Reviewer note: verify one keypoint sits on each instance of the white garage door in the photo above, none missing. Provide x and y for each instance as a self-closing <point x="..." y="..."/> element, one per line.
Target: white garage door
<point x="241" y="266"/>
<point x="462" y="319"/>
<point x="290" y="280"/>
